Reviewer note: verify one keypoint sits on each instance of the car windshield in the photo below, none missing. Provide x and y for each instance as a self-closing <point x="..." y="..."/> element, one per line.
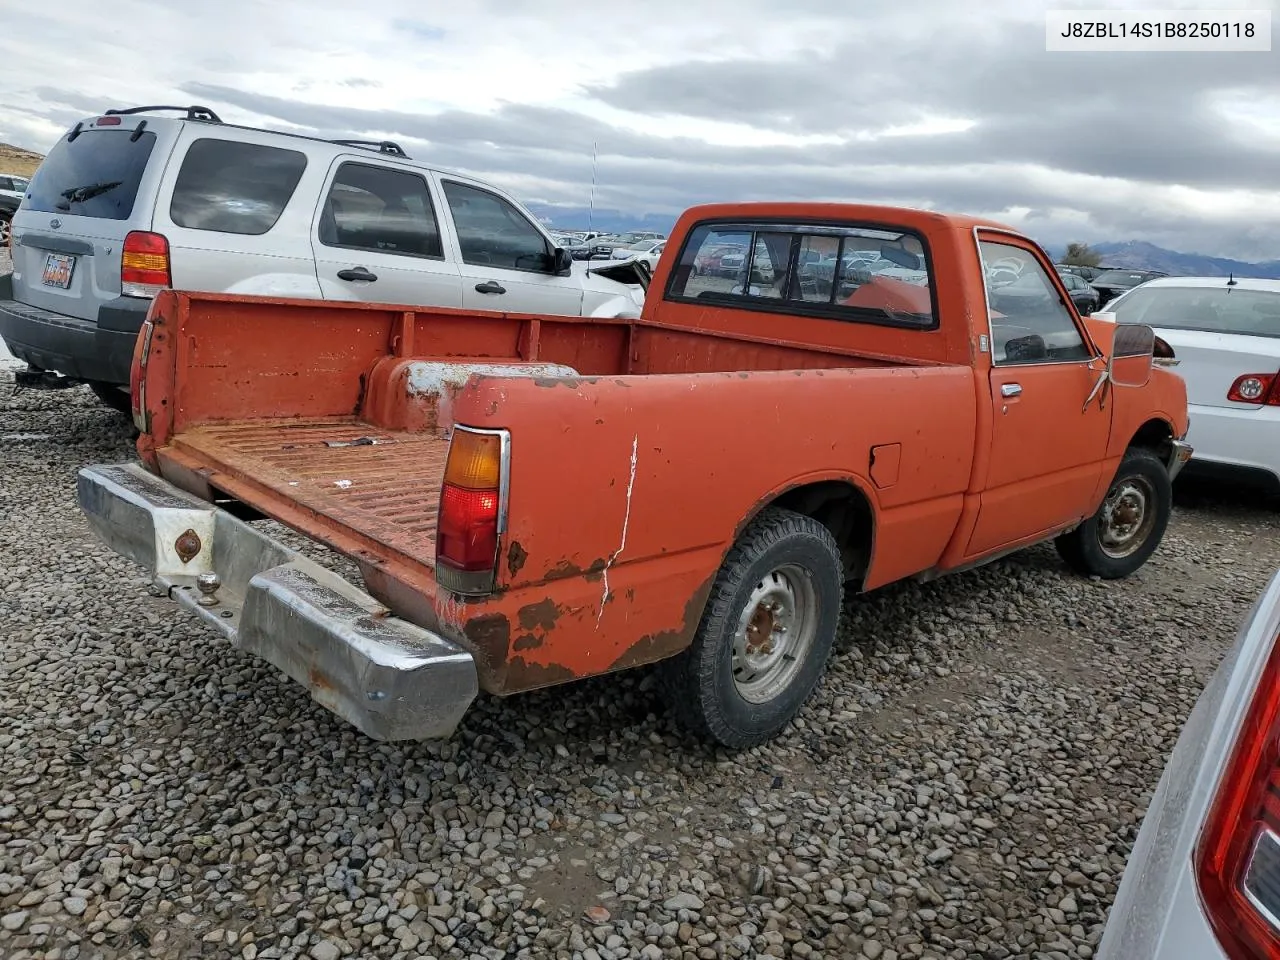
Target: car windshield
<point x="1214" y="309"/>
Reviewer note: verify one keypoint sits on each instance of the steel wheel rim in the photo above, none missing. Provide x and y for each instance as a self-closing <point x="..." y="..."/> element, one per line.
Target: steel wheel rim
<point x="774" y="633"/>
<point x="1128" y="516"/>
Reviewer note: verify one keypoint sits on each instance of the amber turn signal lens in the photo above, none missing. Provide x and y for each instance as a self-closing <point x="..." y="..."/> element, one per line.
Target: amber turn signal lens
<point x="475" y="460"/>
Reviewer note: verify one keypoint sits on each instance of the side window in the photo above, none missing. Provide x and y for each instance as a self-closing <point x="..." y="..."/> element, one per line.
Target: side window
<point x="833" y="271"/>
<point x="7" y="184"/>
<point x="381" y="210"/>
<point x="493" y="233"/>
<point x="232" y="187"/>
<point x="1029" y="322"/>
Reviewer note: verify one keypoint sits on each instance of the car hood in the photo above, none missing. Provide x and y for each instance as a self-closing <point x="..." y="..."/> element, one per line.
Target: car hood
<point x="612" y="287"/>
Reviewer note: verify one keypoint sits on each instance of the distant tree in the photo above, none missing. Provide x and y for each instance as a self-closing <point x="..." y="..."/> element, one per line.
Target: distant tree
<point x="1081" y="255"/>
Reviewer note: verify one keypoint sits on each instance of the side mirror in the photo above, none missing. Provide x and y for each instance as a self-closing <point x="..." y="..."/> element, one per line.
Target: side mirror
<point x="1132" y="351"/>
<point x="561" y="262"/>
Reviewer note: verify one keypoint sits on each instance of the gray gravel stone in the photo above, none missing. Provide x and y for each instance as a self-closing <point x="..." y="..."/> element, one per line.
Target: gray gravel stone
<point x="162" y="788"/>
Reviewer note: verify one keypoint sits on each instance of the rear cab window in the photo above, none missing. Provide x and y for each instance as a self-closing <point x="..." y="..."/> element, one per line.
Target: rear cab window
<point x="859" y="273"/>
<point x="96" y="174"/>
<point x="229" y="186"/>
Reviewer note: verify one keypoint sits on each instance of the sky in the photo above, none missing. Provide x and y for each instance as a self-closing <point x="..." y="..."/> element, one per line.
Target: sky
<point x="928" y="103"/>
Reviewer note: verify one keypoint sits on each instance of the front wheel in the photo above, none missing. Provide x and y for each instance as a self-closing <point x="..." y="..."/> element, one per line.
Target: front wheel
<point x="765" y="635"/>
<point x="1129" y="525"/>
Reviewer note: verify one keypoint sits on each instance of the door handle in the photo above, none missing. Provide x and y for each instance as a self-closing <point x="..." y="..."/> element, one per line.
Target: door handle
<point x="357" y="273"/>
<point x="1010" y="389"/>
<point x="490" y="286"/>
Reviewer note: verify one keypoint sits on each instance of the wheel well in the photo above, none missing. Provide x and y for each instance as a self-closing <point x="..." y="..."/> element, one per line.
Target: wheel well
<point x="843" y="509"/>
<point x="1154" y="435"/>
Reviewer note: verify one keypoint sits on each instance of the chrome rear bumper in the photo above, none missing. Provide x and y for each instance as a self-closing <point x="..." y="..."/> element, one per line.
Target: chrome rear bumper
<point x="390" y="678"/>
<point x="1178" y="458"/>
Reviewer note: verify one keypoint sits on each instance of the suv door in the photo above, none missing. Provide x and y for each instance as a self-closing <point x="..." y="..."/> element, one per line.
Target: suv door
<point x="377" y="238"/>
<point x="1047" y="446"/>
<point x="505" y="260"/>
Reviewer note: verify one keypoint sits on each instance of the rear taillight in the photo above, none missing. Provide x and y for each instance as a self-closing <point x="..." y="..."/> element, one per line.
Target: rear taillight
<point x="144" y="264"/>
<point x="1238" y="858"/>
<point x="472" y="510"/>
<point x="1258" y="388"/>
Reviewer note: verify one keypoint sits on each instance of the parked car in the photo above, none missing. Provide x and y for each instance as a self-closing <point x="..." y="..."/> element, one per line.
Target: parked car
<point x="12" y="188"/>
<point x="1083" y="272"/>
<point x="578" y="248"/>
<point x="1200" y="883"/>
<point x="1226" y="335"/>
<point x="1111" y="283"/>
<point x="129" y="203"/>
<point x="535" y="499"/>
<point x="1082" y="293"/>
<point x="636" y="248"/>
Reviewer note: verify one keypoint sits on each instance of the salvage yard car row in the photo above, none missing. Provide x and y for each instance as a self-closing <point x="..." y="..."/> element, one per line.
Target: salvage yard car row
<point x="516" y="489"/>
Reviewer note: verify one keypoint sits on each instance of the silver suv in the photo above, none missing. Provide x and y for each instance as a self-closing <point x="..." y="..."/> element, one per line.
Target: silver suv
<point x="129" y="202"/>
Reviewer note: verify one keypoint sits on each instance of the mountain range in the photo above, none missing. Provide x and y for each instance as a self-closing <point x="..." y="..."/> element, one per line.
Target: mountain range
<point x="1140" y="255"/>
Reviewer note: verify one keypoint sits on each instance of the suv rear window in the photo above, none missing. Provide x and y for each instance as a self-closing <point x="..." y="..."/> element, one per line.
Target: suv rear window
<point x="95" y="175"/>
<point x="231" y="187"/>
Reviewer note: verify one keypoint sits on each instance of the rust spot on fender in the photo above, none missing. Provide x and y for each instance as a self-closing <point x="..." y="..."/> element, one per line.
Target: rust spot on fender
<point x="317" y="680"/>
<point x="516" y="557"/>
<point x="595" y="571"/>
<point x="653" y="647"/>
<point x="527" y="641"/>
<point x="539" y="616"/>
<point x="490" y="636"/>
<point x="522" y="675"/>
<point x="567" y="568"/>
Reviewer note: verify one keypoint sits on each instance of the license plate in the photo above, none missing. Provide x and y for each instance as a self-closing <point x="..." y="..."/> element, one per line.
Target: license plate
<point x="58" y="268"/>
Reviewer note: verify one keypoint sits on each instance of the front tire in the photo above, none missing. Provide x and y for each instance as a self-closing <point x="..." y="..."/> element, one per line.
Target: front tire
<point x="766" y="633"/>
<point x="1129" y="524"/>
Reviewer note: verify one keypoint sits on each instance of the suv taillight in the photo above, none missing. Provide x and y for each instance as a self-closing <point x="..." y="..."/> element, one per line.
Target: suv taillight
<point x="1238" y="858"/>
<point x="144" y="264"/>
<point x="472" y="509"/>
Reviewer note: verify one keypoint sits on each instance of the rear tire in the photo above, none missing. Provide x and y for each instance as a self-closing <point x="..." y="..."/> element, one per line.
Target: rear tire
<point x="117" y="398"/>
<point x="5" y="227"/>
<point x="1129" y="524"/>
<point x="766" y="633"/>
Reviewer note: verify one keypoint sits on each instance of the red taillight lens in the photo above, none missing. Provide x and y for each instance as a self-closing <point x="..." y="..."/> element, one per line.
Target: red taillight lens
<point x="467" y="533"/>
<point x="144" y="264"/>
<point x="1238" y="859"/>
<point x="1259" y="388"/>
<point x="471" y="510"/>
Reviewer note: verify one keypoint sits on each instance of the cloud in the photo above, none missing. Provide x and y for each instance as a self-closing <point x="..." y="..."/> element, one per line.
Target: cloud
<point x="930" y="104"/>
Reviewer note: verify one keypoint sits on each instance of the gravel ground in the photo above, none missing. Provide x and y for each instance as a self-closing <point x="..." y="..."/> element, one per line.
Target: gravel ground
<point x="967" y="784"/>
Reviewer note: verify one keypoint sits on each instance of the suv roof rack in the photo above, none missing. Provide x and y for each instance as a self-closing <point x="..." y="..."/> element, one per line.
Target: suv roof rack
<point x="192" y="112"/>
<point x="384" y="146"/>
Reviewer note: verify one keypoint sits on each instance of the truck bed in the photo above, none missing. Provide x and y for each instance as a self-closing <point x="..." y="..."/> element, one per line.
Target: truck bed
<point x="387" y="492"/>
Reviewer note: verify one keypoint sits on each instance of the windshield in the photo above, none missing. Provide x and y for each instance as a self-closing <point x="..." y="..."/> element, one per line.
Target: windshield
<point x="95" y="175"/>
<point x="1214" y="309"/>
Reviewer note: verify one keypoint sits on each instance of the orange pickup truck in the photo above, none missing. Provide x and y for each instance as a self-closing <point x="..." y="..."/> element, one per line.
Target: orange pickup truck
<point x="817" y="397"/>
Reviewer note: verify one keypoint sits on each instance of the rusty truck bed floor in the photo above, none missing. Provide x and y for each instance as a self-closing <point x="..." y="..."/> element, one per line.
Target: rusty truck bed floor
<point x="388" y="491"/>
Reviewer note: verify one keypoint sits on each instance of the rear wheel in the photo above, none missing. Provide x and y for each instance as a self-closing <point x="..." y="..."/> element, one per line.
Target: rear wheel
<point x="117" y="398"/>
<point x="5" y="227"/>
<point x="1129" y="525"/>
<point x="766" y="634"/>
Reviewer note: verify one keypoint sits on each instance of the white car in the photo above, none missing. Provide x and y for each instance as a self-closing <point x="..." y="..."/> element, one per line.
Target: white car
<point x="12" y="186"/>
<point x="647" y="250"/>
<point x="1225" y="334"/>
<point x="1203" y="880"/>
